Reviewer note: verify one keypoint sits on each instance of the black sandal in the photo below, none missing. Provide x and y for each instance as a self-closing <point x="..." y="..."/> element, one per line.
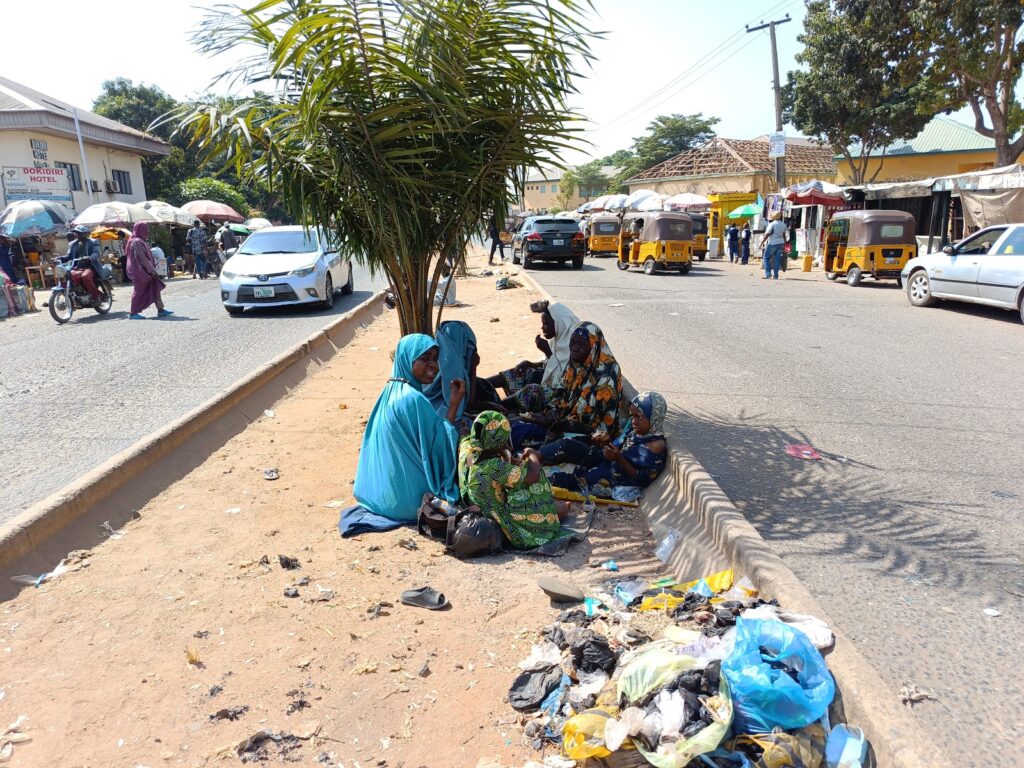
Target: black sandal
<point x="425" y="597"/>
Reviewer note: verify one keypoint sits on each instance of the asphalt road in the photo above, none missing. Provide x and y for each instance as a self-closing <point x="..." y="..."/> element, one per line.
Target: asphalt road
<point x="912" y="524"/>
<point x="72" y="396"/>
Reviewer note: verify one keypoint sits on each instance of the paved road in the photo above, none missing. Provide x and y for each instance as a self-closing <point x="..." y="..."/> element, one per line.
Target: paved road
<point x="72" y="396"/>
<point x="913" y="524"/>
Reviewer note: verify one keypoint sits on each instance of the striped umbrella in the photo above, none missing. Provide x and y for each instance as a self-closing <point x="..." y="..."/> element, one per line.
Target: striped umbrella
<point x="33" y="217"/>
<point x="114" y="214"/>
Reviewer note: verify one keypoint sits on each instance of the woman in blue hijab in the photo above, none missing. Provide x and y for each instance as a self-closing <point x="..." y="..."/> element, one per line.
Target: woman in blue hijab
<point x="408" y="448"/>
<point x="456" y="345"/>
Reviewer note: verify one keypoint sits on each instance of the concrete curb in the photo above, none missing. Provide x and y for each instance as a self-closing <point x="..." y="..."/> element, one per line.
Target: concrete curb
<point x="23" y="535"/>
<point x="866" y="699"/>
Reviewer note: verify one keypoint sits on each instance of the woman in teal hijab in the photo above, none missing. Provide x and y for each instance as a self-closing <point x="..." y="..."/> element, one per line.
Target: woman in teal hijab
<point x="408" y="449"/>
<point x="456" y="345"/>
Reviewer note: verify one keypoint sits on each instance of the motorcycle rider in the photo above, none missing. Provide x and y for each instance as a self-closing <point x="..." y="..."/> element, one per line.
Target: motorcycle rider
<point x="84" y="259"/>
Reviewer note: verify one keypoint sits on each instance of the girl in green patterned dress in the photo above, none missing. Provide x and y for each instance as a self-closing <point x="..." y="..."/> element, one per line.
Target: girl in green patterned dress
<point x="513" y="492"/>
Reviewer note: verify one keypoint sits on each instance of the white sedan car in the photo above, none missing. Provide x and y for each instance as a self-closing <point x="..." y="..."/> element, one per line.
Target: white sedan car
<point x="984" y="268"/>
<point x="278" y="266"/>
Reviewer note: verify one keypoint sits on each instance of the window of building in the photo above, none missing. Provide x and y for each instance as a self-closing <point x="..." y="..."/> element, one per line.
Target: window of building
<point x="543" y="188"/>
<point x="554" y="188"/>
<point x="123" y="180"/>
<point x="74" y="175"/>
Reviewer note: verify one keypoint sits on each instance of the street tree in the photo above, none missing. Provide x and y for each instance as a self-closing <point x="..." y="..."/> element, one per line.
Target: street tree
<point x="207" y="188"/>
<point x="971" y="53"/>
<point x="667" y="136"/>
<point x="846" y="94"/>
<point x="568" y="185"/>
<point x="590" y="179"/>
<point x="398" y="124"/>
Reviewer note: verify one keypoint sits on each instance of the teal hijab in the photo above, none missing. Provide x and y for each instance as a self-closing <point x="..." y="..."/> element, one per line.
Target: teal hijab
<point x="408" y="449"/>
<point x="456" y="345"/>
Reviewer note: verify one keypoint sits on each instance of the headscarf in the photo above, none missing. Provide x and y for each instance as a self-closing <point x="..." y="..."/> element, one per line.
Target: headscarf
<point x="139" y="253"/>
<point x="490" y="430"/>
<point x="457" y="344"/>
<point x="592" y="390"/>
<point x="565" y="322"/>
<point x="653" y="407"/>
<point x="407" y="450"/>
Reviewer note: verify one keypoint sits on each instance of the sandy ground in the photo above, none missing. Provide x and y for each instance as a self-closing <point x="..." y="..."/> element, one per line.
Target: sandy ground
<point x="98" y="659"/>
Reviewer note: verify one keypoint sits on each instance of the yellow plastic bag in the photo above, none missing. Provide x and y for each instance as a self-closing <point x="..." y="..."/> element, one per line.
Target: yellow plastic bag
<point x="803" y="748"/>
<point x="719" y="582"/>
<point x="583" y="734"/>
<point x="650" y="670"/>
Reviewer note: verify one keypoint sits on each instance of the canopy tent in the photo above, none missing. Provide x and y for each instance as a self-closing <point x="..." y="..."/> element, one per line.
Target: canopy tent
<point x="210" y="210"/>
<point x="816" y="192"/>
<point x="34" y="217"/>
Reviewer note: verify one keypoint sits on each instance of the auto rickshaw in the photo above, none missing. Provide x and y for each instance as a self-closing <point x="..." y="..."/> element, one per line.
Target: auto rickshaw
<point x="700" y="235"/>
<point x="604" y="234"/>
<point x="656" y="240"/>
<point x="875" y="243"/>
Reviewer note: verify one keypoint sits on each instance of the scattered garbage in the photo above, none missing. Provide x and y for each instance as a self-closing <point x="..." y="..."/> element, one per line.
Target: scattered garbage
<point x="617" y="305"/>
<point x="228" y="713"/>
<point x="291" y="592"/>
<point x="271" y="473"/>
<point x="610" y="565"/>
<point x="257" y="748"/>
<point x="269" y="414"/>
<point x="1004" y="494"/>
<point x="560" y="591"/>
<point x="110" y="532"/>
<point x="667" y="671"/>
<point x="495" y="320"/>
<point x="288" y="562"/>
<point x="910" y="695"/>
<point x="802" y="451"/>
<point x="192" y="656"/>
<point x="335" y="504"/>
<point x="504" y="283"/>
<point x="992" y="612"/>
<point x="847" y="747"/>
<point x="232" y="510"/>
<point x="409" y="544"/>
<point x="13" y="734"/>
<point x="76" y="560"/>
<point x="667" y="545"/>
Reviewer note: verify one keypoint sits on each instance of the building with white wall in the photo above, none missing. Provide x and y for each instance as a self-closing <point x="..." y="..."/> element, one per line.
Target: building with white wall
<point x="41" y="156"/>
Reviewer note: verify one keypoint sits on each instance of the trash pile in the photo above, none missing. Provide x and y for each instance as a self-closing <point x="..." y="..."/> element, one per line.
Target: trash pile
<point x="672" y="674"/>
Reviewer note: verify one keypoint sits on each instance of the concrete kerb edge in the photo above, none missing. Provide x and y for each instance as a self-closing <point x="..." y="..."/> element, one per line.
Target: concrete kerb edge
<point x="896" y="739"/>
<point x="21" y="535"/>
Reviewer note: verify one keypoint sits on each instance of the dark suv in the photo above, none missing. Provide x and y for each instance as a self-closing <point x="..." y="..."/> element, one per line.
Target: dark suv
<point x="545" y="238"/>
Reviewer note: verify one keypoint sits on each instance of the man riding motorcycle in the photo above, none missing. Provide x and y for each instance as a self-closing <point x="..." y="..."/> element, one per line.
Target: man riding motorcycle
<point x="84" y="257"/>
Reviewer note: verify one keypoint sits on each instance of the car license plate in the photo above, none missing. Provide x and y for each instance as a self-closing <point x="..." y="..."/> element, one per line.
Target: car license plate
<point x="558" y="242"/>
<point x="677" y="255"/>
<point x="891" y="260"/>
<point x="263" y="293"/>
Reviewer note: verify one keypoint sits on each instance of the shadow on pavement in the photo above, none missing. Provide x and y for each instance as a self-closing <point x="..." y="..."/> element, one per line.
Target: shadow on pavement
<point x="853" y="506"/>
<point x="342" y="304"/>
<point x="980" y="311"/>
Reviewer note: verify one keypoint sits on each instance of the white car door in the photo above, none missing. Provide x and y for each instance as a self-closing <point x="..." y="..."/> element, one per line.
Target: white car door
<point x="1002" y="270"/>
<point x="957" y="274"/>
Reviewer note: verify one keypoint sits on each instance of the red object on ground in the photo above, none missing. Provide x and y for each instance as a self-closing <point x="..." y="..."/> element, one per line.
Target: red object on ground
<point x="800" y="451"/>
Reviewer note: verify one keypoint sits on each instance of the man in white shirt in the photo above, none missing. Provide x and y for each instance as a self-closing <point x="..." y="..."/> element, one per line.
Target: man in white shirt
<point x="775" y="236"/>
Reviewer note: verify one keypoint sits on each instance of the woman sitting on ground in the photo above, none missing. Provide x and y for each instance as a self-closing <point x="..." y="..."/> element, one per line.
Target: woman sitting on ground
<point x="635" y="460"/>
<point x="512" y="492"/>
<point x="408" y="449"/>
<point x="458" y="359"/>
<point x="589" y="400"/>
<point x="531" y="386"/>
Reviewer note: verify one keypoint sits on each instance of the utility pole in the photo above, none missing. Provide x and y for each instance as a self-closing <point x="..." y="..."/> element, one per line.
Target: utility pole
<point x="780" y="162"/>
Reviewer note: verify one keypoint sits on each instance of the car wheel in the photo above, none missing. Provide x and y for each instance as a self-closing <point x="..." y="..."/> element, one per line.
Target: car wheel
<point x="234" y="311"/>
<point x="328" y="292"/>
<point x="1021" y="307"/>
<point x="348" y="287"/>
<point x="527" y="262"/>
<point x="623" y="265"/>
<point x="650" y="266"/>
<point x="899" y="281"/>
<point x="919" y="289"/>
<point x="106" y="301"/>
<point x="831" y="275"/>
<point x="515" y="259"/>
<point x="61" y="306"/>
<point x="577" y="263"/>
<point x="853" y="276"/>
<point x="701" y="257"/>
<point x="684" y="269"/>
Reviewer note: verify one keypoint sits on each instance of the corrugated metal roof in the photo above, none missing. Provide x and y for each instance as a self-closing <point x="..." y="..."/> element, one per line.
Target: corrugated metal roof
<point x="555" y="174"/>
<point x="742" y="157"/>
<point x="942" y="134"/>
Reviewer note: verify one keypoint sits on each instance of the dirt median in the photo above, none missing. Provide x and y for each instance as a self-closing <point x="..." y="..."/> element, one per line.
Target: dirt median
<point x="98" y="659"/>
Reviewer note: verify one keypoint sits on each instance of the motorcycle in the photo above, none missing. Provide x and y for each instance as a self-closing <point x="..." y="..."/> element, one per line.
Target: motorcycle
<point x="67" y="296"/>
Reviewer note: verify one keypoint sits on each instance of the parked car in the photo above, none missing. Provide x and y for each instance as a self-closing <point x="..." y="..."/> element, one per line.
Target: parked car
<point x="278" y="266"/>
<point x="546" y="238"/>
<point x="985" y="268"/>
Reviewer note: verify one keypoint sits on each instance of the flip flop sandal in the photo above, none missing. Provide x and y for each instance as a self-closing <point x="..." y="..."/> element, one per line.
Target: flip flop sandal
<point x="425" y="597"/>
<point x="271" y="474"/>
<point x="560" y="591"/>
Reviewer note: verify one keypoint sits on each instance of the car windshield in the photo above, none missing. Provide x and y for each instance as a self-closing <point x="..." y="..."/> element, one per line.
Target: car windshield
<point x="556" y="225"/>
<point x="296" y="241"/>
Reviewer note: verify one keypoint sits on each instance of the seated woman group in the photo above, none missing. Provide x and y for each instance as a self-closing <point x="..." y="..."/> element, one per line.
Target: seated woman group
<point x="570" y="407"/>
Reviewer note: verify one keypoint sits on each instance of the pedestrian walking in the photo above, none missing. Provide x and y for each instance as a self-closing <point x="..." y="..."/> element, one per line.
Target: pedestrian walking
<point x="732" y="236"/>
<point x="496" y="244"/>
<point x="745" y="236"/>
<point x="146" y="283"/>
<point x="196" y="241"/>
<point x="775" y="237"/>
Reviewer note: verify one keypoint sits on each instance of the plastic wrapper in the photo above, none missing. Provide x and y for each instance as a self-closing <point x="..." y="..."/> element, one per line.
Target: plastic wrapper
<point x="817" y="631"/>
<point x="583" y="734"/>
<point x="778" y="678"/>
<point x="683" y="751"/>
<point x="652" y="668"/>
<point x="803" y="748"/>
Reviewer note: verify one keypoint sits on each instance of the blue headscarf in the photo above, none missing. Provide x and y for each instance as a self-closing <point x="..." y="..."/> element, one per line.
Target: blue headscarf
<point x="408" y="449"/>
<point x="457" y="344"/>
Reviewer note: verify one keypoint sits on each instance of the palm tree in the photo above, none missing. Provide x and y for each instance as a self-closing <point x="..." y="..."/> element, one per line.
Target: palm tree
<point x="399" y="124"/>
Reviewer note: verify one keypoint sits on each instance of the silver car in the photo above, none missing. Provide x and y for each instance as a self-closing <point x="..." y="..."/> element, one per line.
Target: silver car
<point x="984" y="268"/>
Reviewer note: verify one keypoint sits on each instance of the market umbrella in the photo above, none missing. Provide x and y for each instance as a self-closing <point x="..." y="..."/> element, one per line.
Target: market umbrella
<point x="585" y="207"/>
<point x="687" y="200"/>
<point x="240" y="229"/>
<point x="258" y="223"/>
<point x="168" y="214"/>
<point x="615" y="202"/>
<point x="208" y="210"/>
<point x="649" y="203"/>
<point x="114" y="215"/>
<point x="33" y="217"/>
<point x="599" y="203"/>
<point x="637" y="197"/>
<point x="816" y="192"/>
<point x="750" y="209"/>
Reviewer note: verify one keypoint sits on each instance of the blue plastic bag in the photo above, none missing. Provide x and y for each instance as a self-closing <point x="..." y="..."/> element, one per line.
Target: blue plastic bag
<point x="765" y="696"/>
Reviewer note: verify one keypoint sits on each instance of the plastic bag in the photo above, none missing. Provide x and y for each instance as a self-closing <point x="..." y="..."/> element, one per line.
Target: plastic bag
<point x="817" y="631"/>
<point x="804" y="748"/>
<point x="680" y="753"/>
<point x="542" y="655"/>
<point x="583" y="734"/>
<point x="652" y="668"/>
<point x="470" y="534"/>
<point x="765" y="694"/>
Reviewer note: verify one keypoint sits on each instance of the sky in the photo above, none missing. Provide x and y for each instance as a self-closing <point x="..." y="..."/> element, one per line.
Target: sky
<point x="656" y="57"/>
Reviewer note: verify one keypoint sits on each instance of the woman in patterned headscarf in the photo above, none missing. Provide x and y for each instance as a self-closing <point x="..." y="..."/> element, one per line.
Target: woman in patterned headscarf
<point x="513" y="493"/>
<point x="635" y="460"/>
